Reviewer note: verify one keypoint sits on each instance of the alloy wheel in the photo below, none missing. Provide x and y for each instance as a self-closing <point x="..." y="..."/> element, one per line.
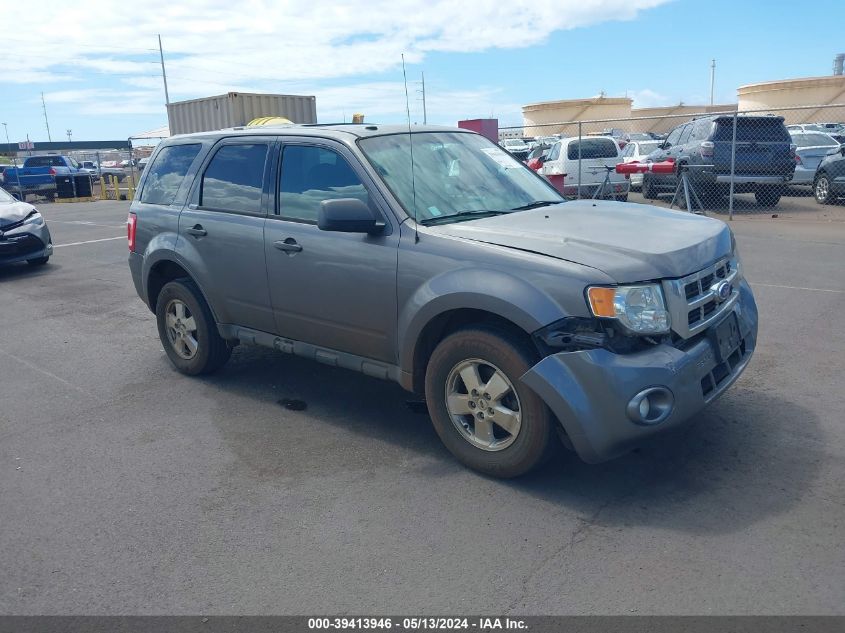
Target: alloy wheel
<point x="483" y="404"/>
<point x="181" y="329"/>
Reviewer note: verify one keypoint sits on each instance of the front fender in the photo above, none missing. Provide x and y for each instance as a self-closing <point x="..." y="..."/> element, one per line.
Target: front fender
<point x="494" y="291"/>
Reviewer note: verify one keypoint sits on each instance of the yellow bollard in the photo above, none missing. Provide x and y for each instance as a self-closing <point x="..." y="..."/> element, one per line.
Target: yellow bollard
<point x="103" y="193"/>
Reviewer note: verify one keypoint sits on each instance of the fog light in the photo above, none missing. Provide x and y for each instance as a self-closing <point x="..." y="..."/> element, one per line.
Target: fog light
<point x="651" y="406"/>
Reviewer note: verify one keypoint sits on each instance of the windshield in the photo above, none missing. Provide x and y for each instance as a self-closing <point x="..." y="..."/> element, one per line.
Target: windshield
<point x="5" y="197"/>
<point x="454" y="173"/>
<point x="813" y="140"/>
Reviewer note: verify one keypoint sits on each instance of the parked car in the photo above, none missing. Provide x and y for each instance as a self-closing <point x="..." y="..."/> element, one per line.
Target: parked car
<point x="835" y="132"/>
<point x="597" y="153"/>
<point x="517" y="147"/>
<point x="639" y="136"/>
<point x="829" y="183"/>
<point x="764" y="158"/>
<point x="24" y="236"/>
<point x="520" y="316"/>
<point x="810" y="149"/>
<point x="537" y="156"/>
<point x="90" y="167"/>
<point x="637" y="152"/>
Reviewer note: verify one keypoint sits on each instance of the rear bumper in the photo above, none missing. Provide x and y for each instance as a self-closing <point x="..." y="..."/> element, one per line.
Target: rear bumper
<point x="136" y="263"/>
<point x="590" y="391"/>
<point x="803" y="176"/>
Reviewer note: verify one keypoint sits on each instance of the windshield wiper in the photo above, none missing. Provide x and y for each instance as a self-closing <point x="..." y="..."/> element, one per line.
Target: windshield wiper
<point x="536" y="204"/>
<point x="461" y="215"/>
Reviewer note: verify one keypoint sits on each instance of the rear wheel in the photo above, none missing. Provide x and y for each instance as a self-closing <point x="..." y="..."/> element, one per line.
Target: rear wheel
<point x="622" y="198"/>
<point x="821" y="190"/>
<point x="486" y="418"/>
<point x="187" y="330"/>
<point x="767" y="196"/>
<point x="648" y="190"/>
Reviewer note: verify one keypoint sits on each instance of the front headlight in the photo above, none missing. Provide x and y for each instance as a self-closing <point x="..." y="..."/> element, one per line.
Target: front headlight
<point x="34" y="218"/>
<point x="640" y="309"/>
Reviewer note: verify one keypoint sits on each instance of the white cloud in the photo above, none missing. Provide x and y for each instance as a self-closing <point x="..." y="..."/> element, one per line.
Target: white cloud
<point x="650" y="99"/>
<point x="213" y="46"/>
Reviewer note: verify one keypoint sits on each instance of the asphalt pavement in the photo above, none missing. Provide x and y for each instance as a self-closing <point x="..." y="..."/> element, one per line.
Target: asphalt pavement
<point x="130" y="489"/>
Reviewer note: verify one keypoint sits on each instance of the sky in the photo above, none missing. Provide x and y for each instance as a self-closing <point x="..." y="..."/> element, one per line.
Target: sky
<point x="97" y="63"/>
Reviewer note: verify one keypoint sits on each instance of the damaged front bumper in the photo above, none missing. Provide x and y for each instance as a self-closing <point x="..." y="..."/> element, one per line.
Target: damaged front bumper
<point x="595" y="393"/>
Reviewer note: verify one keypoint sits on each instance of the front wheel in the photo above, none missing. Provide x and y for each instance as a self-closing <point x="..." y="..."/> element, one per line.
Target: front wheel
<point x="821" y="190"/>
<point x="647" y="188"/>
<point x="486" y="418"/>
<point x="187" y="330"/>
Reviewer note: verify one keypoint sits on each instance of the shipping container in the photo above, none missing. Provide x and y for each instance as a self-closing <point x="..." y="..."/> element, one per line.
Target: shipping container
<point x="485" y="127"/>
<point x="238" y="108"/>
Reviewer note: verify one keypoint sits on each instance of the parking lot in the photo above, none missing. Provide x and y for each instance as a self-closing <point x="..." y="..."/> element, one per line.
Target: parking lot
<point x="129" y="488"/>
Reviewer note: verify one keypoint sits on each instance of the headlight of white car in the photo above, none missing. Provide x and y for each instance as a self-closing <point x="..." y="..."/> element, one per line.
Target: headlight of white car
<point x="34" y="218"/>
<point x="640" y="309"/>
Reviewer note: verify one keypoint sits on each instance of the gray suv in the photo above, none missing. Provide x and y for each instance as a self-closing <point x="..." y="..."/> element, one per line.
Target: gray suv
<point x="437" y="260"/>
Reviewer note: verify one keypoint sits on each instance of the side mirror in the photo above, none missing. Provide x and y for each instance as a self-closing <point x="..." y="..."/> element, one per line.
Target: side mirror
<point x="842" y="149"/>
<point x="348" y="215"/>
<point x="664" y="145"/>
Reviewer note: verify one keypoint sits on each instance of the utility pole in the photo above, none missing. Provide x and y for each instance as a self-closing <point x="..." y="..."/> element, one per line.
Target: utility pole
<point x="425" y="114"/>
<point x="46" y="122"/>
<point x="163" y="72"/>
<point x="712" y="79"/>
<point x="422" y="82"/>
<point x="14" y="162"/>
<point x="69" y="134"/>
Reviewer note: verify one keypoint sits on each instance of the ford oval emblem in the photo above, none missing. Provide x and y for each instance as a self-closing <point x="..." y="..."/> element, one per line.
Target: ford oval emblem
<point x="722" y="291"/>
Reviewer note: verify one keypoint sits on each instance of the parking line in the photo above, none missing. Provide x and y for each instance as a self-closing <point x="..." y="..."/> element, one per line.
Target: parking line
<point x="105" y="239"/>
<point x="798" y="288"/>
<point x="44" y="372"/>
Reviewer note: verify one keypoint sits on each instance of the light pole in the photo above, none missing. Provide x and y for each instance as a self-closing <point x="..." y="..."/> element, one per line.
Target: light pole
<point x="69" y="134"/>
<point x="14" y="162"/>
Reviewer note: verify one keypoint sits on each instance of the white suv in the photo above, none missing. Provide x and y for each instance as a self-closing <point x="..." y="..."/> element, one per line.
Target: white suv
<point x="598" y="154"/>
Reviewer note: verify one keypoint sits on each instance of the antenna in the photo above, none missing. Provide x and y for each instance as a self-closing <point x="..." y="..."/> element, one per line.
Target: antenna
<point x="411" y="145"/>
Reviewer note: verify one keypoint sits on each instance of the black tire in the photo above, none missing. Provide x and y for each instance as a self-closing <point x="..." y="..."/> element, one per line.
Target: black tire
<point x="212" y="352"/>
<point x="648" y="190"/>
<point x="513" y="357"/>
<point x="767" y="197"/>
<point x="38" y="261"/>
<point x="821" y="189"/>
<point x="622" y="198"/>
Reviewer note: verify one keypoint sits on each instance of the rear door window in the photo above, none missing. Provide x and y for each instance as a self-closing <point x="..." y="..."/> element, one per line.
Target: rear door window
<point x="234" y="179"/>
<point x="674" y="135"/>
<point x="165" y="175"/>
<point x="593" y="148"/>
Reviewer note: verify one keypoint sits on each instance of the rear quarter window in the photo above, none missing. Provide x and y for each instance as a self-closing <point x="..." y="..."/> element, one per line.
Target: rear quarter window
<point x="165" y="175"/>
<point x="593" y="148"/>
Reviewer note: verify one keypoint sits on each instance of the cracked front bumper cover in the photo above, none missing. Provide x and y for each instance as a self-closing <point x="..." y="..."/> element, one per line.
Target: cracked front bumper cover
<point x="589" y="390"/>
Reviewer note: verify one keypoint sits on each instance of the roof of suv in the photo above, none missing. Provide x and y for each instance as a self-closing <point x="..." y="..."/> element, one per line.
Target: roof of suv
<point x="335" y="130"/>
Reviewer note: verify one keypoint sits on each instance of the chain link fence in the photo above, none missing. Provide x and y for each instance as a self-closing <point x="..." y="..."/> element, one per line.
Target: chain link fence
<point x="784" y="160"/>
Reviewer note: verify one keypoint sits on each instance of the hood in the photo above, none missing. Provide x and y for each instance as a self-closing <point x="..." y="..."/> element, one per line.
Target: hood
<point x="13" y="212"/>
<point x="629" y="242"/>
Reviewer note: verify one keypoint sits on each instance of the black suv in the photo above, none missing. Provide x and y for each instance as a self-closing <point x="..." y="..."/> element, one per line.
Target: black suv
<point x="765" y="158"/>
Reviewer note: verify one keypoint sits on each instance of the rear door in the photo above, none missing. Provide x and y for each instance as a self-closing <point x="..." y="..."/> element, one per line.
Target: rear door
<point x="334" y="290"/>
<point x="221" y="231"/>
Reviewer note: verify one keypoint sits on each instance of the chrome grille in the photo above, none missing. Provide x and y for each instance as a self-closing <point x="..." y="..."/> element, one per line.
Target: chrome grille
<point x="692" y="300"/>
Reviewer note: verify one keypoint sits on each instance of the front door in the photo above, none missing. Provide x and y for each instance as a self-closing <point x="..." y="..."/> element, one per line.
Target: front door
<point x="334" y="290"/>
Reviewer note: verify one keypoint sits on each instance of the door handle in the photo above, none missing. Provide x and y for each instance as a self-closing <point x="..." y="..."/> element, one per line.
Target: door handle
<point x="197" y="231"/>
<point x="288" y="246"/>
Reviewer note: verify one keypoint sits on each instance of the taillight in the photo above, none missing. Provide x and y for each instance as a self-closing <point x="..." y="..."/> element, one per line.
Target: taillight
<point x="52" y="171"/>
<point x="131" y="225"/>
<point x="798" y="159"/>
<point x="707" y="148"/>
